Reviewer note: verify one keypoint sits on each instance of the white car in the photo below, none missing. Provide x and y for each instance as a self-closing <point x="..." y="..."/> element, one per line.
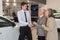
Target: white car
<point x="8" y="30"/>
<point x="57" y="18"/>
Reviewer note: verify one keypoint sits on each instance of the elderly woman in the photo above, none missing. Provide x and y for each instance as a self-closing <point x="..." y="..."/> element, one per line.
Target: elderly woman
<point x="51" y="28"/>
<point x="39" y="23"/>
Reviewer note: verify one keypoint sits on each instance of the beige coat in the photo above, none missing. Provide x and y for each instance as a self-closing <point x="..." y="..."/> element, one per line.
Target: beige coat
<point x="51" y="28"/>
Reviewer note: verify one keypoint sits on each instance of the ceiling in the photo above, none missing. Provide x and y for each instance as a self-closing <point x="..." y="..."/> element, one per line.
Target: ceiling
<point x="31" y="1"/>
<point x="16" y="0"/>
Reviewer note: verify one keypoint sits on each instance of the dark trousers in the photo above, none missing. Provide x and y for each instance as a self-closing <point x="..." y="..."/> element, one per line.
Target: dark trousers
<point x="41" y="37"/>
<point x="25" y="31"/>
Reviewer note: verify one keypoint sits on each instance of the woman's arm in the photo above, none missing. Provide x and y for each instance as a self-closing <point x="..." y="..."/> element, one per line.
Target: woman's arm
<point x="36" y="24"/>
<point x="40" y="25"/>
<point x="45" y="27"/>
<point x="50" y="25"/>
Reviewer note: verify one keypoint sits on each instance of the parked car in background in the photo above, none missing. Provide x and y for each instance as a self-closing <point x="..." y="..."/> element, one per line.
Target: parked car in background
<point x="57" y="18"/>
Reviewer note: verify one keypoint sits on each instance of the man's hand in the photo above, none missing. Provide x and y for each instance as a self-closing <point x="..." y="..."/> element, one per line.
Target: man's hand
<point x="30" y="25"/>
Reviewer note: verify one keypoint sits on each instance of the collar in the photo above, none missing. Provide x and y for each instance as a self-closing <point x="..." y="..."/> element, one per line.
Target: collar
<point x="41" y="16"/>
<point x="24" y="11"/>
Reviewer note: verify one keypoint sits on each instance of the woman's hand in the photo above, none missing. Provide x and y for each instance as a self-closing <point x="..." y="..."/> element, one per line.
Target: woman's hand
<point x="34" y="23"/>
<point x="43" y="26"/>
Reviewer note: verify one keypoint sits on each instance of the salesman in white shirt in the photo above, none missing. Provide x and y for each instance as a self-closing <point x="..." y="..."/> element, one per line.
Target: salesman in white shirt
<point x="24" y="19"/>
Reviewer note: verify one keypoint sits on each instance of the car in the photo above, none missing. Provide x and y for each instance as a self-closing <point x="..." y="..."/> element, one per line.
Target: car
<point x="57" y="18"/>
<point x="8" y="30"/>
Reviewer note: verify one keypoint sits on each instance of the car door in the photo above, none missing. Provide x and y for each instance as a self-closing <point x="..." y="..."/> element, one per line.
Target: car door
<point x="6" y="29"/>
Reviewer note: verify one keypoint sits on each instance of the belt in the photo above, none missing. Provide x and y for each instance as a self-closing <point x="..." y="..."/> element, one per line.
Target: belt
<point x="24" y="26"/>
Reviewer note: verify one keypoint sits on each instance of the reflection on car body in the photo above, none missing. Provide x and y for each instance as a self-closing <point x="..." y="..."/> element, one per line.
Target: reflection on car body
<point x="7" y="32"/>
<point x="57" y="18"/>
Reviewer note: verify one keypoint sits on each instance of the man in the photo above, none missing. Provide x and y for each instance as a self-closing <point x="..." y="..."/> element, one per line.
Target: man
<point x="40" y="22"/>
<point x="24" y="19"/>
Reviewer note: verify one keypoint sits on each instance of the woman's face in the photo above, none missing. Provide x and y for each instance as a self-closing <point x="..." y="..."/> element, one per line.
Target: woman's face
<point x="46" y="12"/>
<point x="41" y="12"/>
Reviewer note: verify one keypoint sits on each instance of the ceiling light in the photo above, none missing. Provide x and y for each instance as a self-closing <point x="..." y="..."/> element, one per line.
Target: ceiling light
<point x="7" y="0"/>
<point x="14" y="4"/>
<point x="7" y="4"/>
<point x="14" y="0"/>
<point x="28" y="1"/>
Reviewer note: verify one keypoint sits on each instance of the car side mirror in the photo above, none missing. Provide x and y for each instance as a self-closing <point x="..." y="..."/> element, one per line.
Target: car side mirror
<point x="13" y="24"/>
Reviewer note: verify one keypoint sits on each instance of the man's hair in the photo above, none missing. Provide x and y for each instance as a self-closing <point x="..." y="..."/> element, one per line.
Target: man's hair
<point x="23" y="3"/>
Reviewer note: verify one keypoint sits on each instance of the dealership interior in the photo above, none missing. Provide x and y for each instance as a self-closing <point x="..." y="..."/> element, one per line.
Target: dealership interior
<point x="9" y="25"/>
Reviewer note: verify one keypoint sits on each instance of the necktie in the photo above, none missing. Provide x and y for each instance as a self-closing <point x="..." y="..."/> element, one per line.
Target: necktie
<point x="25" y="16"/>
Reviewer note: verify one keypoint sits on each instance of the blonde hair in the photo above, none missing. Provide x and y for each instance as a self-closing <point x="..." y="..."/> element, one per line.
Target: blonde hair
<point x="40" y="10"/>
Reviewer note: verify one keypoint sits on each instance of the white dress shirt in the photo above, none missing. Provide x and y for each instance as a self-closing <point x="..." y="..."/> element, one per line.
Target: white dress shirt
<point x="21" y="18"/>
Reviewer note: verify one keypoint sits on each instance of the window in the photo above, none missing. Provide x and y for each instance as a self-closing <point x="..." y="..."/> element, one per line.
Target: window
<point x="2" y="20"/>
<point x="5" y="23"/>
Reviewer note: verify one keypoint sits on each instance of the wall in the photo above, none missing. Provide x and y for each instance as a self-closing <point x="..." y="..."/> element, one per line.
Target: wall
<point x="1" y="13"/>
<point x="55" y="4"/>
